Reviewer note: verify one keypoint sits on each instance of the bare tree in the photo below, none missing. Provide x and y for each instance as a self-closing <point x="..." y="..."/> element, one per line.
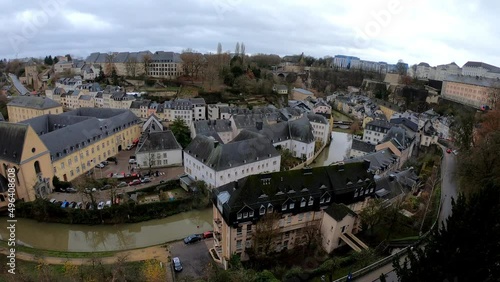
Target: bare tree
<point x="266" y="231"/>
<point x="84" y="186"/>
<point x="192" y="62"/>
<point x="242" y="53"/>
<point x="131" y="66"/>
<point x="211" y="71"/>
<point x="146" y="61"/>
<point x="110" y="63"/>
<point x="237" y="49"/>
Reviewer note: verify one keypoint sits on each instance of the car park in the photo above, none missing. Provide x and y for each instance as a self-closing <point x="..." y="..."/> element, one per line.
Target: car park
<point x="88" y="190"/>
<point x="100" y="206"/>
<point x="192" y="239"/>
<point x="72" y="205"/>
<point x="145" y="180"/>
<point x="88" y="206"/>
<point x="134" y="182"/>
<point x="177" y="264"/>
<point x="132" y="161"/>
<point x="105" y="163"/>
<point x="122" y="184"/>
<point x="64" y="204"/>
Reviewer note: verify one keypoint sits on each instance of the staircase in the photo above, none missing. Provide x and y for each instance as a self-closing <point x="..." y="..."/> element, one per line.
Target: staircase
<point x="356" y="239"/>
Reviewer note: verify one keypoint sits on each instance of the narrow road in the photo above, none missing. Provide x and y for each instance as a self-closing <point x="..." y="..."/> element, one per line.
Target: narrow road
<point x="448" y="191"/>
<point x="448" y="185"/>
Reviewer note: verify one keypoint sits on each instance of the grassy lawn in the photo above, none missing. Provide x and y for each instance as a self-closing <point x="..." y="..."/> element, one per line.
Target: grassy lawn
<point x="178" y="193"/>
<point x="59" y="254"/>
<point x="339" y="116"/>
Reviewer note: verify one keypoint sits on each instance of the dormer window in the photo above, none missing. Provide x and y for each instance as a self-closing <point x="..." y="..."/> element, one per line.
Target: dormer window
<point x="269" y="208"/>
<point x="322" y="200"/>
<point x="283" y="207"/>
<point x="303" y="202"/>
<point x="250" y="213"/>
<point x="327" y="198"/>
<point x="238" y="216"/>
<point x="292" y="205"/>
<point x="262" y="210"/>
<point x="245" y="215"/>
<point x="311" y="201"/>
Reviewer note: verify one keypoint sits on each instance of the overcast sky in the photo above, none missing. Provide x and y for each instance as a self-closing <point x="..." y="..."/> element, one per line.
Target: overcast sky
<point x="434" y="31"/>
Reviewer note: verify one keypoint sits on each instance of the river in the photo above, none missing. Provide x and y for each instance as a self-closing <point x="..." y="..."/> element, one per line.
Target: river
<point x="336" y="151"/>
<point x="84" y="238"/>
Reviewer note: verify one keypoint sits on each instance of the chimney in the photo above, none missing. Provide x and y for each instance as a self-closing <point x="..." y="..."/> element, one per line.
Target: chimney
<point x="391" y="177"/>
<point x="366" y="163"/>
<point x="259" y="125"/>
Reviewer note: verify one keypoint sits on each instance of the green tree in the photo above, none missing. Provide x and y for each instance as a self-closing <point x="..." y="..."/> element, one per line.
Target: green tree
<point x="465" y="249"/>
<point x="463" y="130"/>
<point x="371" y="215"/>
<point x="68" y="57"/>
<point x="114" y="77"/>
<point x="181" y="132"/>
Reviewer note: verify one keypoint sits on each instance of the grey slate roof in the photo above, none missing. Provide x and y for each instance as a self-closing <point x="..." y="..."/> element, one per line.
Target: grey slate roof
<point x="317" y="118"/>
<point x="339" y="211"/>
<point x="361" y="146"/>
<point x="489" y="67"/>
<point x="12" y="141"/>
<point x="33" y="102"/>
<point x="159" y="141"/>
<point x="379" y="160"/>
<point x="472" y="80"/>
<point x="118" y="57"/>
<point x="64" y="133"/>
<point x="137" y="104"/>
<point x="203" y="126"/>
<point x="399" y="136"/>
<point x="224" y="156"/>
<point x="338" y="183"/>
<point x="395" y="183"/>
<point x="164" y="57"/>
<point x="85" y="97"/>
<point x="380" y="124"/>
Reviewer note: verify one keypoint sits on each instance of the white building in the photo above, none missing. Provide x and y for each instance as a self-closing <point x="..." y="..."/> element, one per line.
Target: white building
<point x="159" y="149"/>
<point x="480" y="69"/>
<point x="220" y="129"/>
<point x="213" y="110"/>
<point x="185" y="109"/>
<point x="218" y="164"/>
<point x="321" y="128"/>
<point x="375" y="131"/>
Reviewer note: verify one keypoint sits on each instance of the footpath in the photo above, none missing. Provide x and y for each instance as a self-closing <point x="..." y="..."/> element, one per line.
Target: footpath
<point x="156" y="252"/>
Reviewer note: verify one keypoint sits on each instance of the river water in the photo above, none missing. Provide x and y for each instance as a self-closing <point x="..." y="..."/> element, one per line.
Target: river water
<point x="84" y="238"/>
<point x="336" y="151"/>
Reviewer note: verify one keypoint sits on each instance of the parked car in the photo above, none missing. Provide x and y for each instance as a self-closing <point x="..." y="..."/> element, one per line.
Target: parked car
<point x="146" y="180"/>
<point x="88" y="190"/>
<point x="53" y="201"/>
<point x="134" y="182"/>
<point x="99" y="165"/>
<point x="129" y="147"/>
<point x="111" y="159"/>
<point x="106" y="187"/>
<point x="100" y="206"/>
<point x="448" y="150"/>
<point x="105" y="163"/>
<point x="177" y="264"/>
<point x="71" y="190"/>
<point x="192" y="239"/>
<point x="108" y="204"/>
<point x="64" y="204"/>
<point x="162" y="181"/>
<point x="59" y="203"/>
<point x="122" y="184"/>
<point x="208" y="234"/>
<point x="132" y="161"/>
<point x="88" y="206"/>
<point x="79" y="205"/>
<point x="455" y="152"/>
<point x="72" y="205"/>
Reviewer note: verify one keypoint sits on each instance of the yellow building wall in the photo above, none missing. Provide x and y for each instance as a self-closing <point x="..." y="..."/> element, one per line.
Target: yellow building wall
<point x="388" y="112"/>
<point x="70" y="167"/>
<point x="17" y="114"/>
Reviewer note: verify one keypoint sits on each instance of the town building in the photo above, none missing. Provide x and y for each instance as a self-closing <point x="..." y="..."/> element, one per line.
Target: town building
<point x="471" y="91"/>
<point x="375" y="131"/>
<point x="360" y="148"/>
<point x="381" y="162"/>
<point x="125" y="63"/>
<point x="213" y="110"/>
<point x="63" y="66"/>
<point x="80" y="139"/>
<point x="68" y="83"/>
<point x="159" y="149"/>
<point x="140" y="108"/>
<point x="301" y="94"/>
<point x="322" y="107"/>
<point x="280" y="89"/>
<point x="165" y="65"/>
<point x="25" y="156"/>
<point x="220" y="127"/>
<point x="291" y="203"/>
<point x="25" y="107"/>
<point x="217" y="164"/>
<point x="480" y="69"/>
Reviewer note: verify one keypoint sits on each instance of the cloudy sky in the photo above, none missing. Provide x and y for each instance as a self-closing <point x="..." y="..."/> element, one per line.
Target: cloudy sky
<point x="433" y="31"/>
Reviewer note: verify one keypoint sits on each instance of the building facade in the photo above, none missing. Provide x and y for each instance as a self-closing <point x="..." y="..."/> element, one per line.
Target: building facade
<point x="27" y="107"/>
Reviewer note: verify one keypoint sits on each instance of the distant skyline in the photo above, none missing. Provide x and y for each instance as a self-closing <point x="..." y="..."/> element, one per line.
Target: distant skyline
<point x="377" y="30"/>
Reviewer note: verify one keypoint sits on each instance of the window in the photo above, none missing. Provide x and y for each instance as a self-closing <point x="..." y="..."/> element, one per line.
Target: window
<point x="249" y="229"/>
<point x="238" y="244"/>
<point x="239" y="231"/>
<point x="311" y="201"/>
<point x="289" y="220"/>
<point x="300" y="216"/>
<point x="283" y="207"/>
<point x="238" y="216"/>
<point x="322" y="200"/>
<point x="327" y="198"/>
<point x="250" y="214"/>
<point x="262" y="210"/>
<point x="292" y="205"/>
<point x="303" y="203"/>
<point x="269" y="208"/>
<point x="62" y="165"/>
<point x="245" y="215"/>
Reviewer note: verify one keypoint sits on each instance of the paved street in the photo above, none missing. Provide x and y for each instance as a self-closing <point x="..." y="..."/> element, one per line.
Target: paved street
<point x="194" y="257"/>
<point x="448" y="185"/>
